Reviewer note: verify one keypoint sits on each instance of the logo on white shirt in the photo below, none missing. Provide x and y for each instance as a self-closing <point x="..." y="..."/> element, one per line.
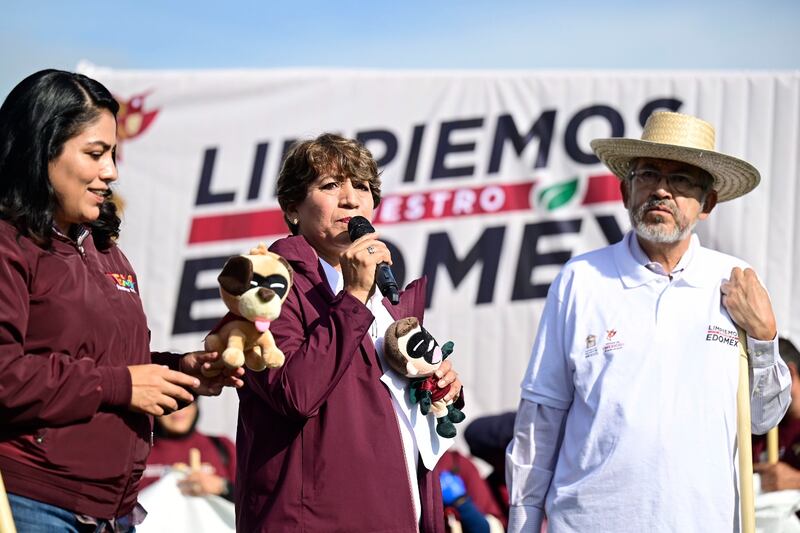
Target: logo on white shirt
<point x="725" y="336"/>
<point x="610" y="345"/>
<point x="591" y="346"/>
<point x="591" y="341"/>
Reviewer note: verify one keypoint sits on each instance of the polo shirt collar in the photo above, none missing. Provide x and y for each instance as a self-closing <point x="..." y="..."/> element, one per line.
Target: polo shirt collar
<point x="633" y="271"/>
<point x="697" y="273"/>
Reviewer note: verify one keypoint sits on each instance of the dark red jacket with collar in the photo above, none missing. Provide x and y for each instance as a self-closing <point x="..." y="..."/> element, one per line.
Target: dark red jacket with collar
<point x="169" y="450"/>
<point x="318" y="442"/>
<point x="788" y="443"/>
<point x="70" y="323"/>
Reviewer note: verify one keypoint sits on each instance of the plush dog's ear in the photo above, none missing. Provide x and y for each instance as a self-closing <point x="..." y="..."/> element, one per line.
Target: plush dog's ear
<point x="236" y="275"/>
<point x="285" y="263"/>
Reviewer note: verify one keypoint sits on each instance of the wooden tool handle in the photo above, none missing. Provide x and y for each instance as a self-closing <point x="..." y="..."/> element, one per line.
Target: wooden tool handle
<point x="743" y="436"/>
<point x="772" y="446"/>
<point x="194" y="460"/>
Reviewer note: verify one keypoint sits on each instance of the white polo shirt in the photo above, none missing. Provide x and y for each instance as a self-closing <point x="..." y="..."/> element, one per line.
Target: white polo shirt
<point x="647" y="368"/>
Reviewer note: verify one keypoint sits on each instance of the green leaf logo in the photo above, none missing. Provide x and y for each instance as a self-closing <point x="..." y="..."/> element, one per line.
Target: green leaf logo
<point x="557" y="195"/>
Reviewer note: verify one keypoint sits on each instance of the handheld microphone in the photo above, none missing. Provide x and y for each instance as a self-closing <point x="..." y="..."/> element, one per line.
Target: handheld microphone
<point x="357" y="228"/>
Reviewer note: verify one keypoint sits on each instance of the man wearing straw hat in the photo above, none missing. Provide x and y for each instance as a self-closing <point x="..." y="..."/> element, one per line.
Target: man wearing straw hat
<point x="627" y="420"/>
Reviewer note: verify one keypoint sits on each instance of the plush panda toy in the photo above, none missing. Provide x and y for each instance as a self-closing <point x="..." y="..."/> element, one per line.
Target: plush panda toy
<point x="413" y="352"/>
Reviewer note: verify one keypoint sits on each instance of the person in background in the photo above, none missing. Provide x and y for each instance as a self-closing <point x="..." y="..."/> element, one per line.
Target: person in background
<point x="627" y="417"/>
<point x="322" y="442"/>
<point x="487" y="438"/>
<point x="785" y="474"/>
<point x="78" y="383"/>
<point x="174" y="436"/>
<point x="467" y="499"/>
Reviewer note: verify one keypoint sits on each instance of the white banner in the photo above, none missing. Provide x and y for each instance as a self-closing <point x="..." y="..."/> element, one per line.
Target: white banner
<point x="169" y="511"/>
<point x="489" y="186"/>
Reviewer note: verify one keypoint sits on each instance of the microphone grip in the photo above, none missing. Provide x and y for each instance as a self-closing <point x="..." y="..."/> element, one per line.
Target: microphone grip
<point x="384" y="278"/>
<point x="359" y="226"/>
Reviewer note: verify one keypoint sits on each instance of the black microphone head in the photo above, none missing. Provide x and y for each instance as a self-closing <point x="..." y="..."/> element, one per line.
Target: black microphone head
<point x="358" y="227"/>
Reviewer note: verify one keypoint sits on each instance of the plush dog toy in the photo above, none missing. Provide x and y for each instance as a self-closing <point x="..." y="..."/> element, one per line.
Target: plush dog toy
<point x="253" y="288"/>
<point x="413" y="352"/>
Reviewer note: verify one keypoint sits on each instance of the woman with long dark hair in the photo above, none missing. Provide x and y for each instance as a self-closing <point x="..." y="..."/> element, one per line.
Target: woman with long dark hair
<point x="78" y="383"/>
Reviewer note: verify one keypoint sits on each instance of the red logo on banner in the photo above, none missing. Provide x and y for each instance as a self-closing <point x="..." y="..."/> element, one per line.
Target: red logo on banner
<point x="132" y="119"/>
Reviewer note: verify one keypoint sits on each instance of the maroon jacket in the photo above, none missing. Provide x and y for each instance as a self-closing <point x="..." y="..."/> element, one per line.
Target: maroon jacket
<point x="170" y="450"/>
<point x="318" y="443"/>
<point x="68" y="330"/>
<point x="788" y="443"/>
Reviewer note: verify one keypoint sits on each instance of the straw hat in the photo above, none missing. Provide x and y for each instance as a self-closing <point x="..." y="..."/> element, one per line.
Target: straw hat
<point x="683" y="138"/>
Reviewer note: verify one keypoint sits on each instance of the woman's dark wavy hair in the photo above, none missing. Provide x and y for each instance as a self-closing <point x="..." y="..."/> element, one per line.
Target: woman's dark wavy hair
<point x="40" y="114"/>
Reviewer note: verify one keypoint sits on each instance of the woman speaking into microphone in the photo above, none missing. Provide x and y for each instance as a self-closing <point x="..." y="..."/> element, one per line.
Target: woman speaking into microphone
<point x="322" y="443"/>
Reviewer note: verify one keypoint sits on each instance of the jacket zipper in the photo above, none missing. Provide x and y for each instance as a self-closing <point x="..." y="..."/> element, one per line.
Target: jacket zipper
<point x="78" y="243"/>
<point x="127" y="487"/>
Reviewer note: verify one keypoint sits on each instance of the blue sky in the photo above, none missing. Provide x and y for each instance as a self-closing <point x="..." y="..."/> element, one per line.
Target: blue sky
<point x="411" y="34"/>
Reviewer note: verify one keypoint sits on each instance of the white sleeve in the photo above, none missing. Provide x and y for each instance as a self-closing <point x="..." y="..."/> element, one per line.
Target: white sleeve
<point x="530" y="461"/>
<point x="770" y="384"/>
<point x="548" y="379"/>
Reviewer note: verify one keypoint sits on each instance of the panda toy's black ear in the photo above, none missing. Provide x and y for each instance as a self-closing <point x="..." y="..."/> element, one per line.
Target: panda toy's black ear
<point x="236" y="275"/>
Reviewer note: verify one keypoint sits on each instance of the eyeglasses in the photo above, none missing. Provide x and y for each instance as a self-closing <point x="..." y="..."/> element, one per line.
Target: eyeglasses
<point x="680" y="183"/>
